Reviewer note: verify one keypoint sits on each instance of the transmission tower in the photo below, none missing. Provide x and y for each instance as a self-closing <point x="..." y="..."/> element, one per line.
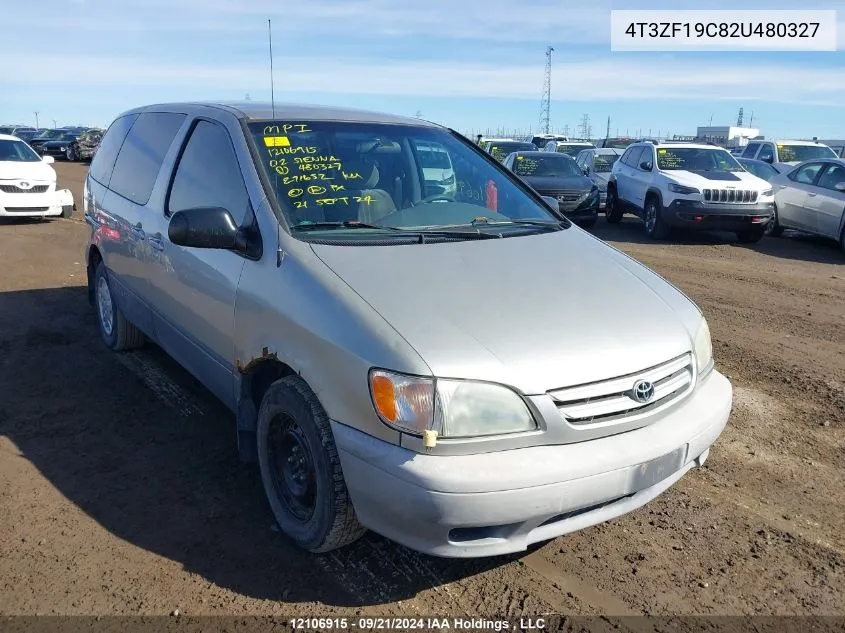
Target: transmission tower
<point x="546" y="99"/>
<point x="739" y="119"/>
<point x="586" y="128"/>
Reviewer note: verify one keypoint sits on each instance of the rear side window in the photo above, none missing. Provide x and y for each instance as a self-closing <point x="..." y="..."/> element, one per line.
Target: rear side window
<point x="208" y="174"/>
<point x="750" y="150"/>
<point x="140" y="158"/>
<point x="103" y="163"/>
<point x="633" y="159"/>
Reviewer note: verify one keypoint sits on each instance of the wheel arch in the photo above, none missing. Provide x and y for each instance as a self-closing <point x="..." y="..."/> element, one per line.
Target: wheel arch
<point x="94" y="259"/>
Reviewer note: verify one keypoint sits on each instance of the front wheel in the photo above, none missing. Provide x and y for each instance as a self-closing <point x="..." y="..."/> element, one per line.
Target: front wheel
<point x="653" y="224"/>
<point x="773" y="227"/>
<point x="300" y="469"/>
<point x="612" y="208"/>
<point x="71" y="153"/>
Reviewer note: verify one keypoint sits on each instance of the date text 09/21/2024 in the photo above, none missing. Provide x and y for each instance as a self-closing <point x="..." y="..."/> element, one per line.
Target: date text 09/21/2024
<point x="370" y="623"/>
<point x="723" y="29"/>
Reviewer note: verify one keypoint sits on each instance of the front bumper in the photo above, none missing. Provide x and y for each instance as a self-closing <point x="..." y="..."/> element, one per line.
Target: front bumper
<point x="29" y="205"/>
<point x="717" y="217"/>
<point x="496" y="503"/>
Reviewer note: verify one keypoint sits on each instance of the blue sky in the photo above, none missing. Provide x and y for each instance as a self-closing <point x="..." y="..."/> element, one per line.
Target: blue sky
<point x="469" y="64"/>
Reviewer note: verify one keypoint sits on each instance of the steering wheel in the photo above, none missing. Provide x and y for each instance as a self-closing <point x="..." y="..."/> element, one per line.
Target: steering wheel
<point x="440" y="197"/>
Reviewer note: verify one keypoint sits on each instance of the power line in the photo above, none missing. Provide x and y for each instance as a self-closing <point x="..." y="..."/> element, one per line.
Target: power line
<point x="546" y="98"/>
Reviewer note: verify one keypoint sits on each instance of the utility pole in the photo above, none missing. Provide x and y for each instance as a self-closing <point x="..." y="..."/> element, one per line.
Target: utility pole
<point x="55" y="125"/>
<point x="546" y="98"/>
<point x="586" y="128"/>
<point x="607" y="133"/>
<point x="36" y="119"/>
<point x="247" y="97"/>
<point x="739" y="118"/>
<point x="566" y="131"/>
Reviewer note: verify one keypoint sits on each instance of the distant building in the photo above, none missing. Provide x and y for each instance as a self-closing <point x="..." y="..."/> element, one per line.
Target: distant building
<point x="726" y="136"/>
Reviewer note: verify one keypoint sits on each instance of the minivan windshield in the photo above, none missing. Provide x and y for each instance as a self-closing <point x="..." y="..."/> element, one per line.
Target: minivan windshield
<point x="545" y="165"/>
<point x="800" y="153"/>
<point x="696" y="159"/>
<point x="343" y="175"/>
<point x="17" y="152"/>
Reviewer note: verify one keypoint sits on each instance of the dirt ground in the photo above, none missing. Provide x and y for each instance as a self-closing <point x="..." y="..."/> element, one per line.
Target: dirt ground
<point x="121" y="493"/>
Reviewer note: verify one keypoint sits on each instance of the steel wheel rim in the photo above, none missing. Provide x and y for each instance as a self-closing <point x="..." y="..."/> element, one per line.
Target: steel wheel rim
<point x="69" y="153"/>
<point x="292" y="468"/>
<point x="770" y="225"/>
<point x="650" y="217"/>
<point x="104" y="306"/>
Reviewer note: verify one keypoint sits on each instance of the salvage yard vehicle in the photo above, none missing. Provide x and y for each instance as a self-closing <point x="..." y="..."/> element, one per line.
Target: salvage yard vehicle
<point x="84" y="146"/>
<point x="395" y="360"/>
<point x="597" y="165"/>
<point x="687" y="185"/>
<point x="61" y="147"/>
<point x="784" y="155"/>
<point x="811" y="199"/>
<point x="557" y="176"/>
<point x="500" y="149"/>
<point x="28" y="183"/>
<point x="572" y="148"/>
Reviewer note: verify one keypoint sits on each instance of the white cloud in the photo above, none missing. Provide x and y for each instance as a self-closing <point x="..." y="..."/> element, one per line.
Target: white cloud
<point x="621" y="78"/>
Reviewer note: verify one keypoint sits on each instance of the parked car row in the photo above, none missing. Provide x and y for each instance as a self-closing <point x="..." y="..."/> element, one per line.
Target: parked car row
<point x="71" y="143"/>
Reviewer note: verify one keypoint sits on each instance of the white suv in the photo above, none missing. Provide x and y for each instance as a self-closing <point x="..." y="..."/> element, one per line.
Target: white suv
<point x="784" y="155"/>
<point x="688" y="185"/>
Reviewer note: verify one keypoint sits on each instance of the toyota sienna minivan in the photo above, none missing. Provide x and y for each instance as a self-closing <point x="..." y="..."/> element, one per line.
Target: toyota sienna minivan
<point x="437" y="365"/>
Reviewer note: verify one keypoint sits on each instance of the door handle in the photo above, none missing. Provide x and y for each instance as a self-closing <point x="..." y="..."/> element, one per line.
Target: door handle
<point x="155" y="241"/>
<point x="812" y="195"/>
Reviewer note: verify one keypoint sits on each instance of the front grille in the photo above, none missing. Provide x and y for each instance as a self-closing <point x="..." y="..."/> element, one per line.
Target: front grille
<point x="730" y="196"/>
<point x="16" y="189"/>
<point x="25" y="209"/>
<point x="611" y="401"/>
<point x="565" y="195"/>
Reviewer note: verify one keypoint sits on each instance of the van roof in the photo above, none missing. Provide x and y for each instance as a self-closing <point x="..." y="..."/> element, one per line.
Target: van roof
<point x="262" y="111"/>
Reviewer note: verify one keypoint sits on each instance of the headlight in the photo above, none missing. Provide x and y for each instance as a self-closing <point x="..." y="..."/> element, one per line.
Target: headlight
<point x="766" y="193"/>
<point x="62" y="148"/>
<point x="675" y="188"/>
<point x="703" y="349"/>
<point x="454" y="408"/>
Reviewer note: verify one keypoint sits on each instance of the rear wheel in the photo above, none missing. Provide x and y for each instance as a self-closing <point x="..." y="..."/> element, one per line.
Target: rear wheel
<point x="115" y="329"/>
<point x="750" y="236"/>
<point x="300" y="469"/>
<point x="842" y="240"/>
<point x="653" y="223"/>
<point x="773" y="227"/>
<point x="612" y="208"/>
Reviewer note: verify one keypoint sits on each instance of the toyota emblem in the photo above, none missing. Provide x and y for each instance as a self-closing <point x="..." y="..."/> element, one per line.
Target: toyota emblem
<point x="24" y="185"/>
<point x="643" y="391"/>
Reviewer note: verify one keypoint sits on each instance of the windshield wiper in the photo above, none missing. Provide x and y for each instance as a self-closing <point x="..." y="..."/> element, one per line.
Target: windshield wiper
<point x="549" y="224"/>
<point x="346" y="224"/>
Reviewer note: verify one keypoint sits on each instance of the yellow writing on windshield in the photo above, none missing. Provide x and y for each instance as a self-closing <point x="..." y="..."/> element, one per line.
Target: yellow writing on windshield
<point x="284" y="128"/>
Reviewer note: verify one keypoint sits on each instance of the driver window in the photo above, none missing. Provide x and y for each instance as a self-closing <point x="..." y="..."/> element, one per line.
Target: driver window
<point x="766" y="153"/>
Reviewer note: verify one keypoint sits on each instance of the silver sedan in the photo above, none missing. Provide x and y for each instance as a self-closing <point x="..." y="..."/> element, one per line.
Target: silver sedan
<point x="811" y="198"/>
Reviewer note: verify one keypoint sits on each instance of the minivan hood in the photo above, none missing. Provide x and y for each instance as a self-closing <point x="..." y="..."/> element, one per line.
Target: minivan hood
<point x="19" y="170"/>
<point x="536" y="312"/>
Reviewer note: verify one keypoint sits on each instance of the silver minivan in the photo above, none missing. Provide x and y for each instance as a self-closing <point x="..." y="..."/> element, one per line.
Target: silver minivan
<point x="436" y="365"/>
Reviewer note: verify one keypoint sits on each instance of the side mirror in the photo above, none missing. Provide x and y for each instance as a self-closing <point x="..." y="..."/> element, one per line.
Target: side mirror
<point x="48" y="159"/>
<point x="552" y="202"/>
<point x="645" y="165"/>
<point x="206" y="227"/>
<point x="839" y="186"/>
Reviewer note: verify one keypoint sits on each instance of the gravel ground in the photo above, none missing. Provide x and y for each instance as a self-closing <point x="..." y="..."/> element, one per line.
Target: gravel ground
<point x="121" y="493"/>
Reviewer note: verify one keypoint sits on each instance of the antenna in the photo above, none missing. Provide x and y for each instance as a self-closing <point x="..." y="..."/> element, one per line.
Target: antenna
<point x="279" y="252"/>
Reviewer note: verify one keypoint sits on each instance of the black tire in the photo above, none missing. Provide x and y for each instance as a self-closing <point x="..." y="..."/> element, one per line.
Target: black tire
<point x="71" y="154"/>
<point x="612" y="208"/>
<point x="773" y="227"/>
<point x="300" y="469"/>
<point x="653" y="224"/>
<point x="750" y="236"/>
<point x="67" y="211"/>
<point x="842" y="240"/>
<point x="115" y="329"/>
